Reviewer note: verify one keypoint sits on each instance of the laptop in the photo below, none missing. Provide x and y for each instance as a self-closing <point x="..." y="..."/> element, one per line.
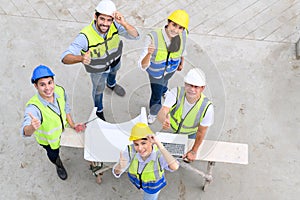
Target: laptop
<point x="176" y="144"/>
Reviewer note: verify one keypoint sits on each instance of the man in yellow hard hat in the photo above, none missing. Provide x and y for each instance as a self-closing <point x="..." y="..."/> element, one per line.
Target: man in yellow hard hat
<point x="146" y="159"/>
<point x="163" y="55"/>
<point x="186" y="110"/>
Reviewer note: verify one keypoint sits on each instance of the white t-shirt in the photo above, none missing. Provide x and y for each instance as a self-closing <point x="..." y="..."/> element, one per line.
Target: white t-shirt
<point x="170" y="100"/>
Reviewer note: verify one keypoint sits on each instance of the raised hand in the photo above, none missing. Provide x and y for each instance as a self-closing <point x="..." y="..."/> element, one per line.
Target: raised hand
<point x="119" y="18"/>
<point x="87" y="58"/>
<point x="122" y="161"/>
<point x="151" y="48"/>
<point x="35" y="123"/>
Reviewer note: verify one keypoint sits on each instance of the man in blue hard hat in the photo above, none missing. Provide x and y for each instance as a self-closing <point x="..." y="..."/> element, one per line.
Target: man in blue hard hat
<point x="47" y="114"/>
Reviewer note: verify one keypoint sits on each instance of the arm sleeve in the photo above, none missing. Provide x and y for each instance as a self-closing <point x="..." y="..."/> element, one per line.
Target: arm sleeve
<point x="208" y="119"/>
<point x="170" y="98"/>
<point x="67" y="106"/>
<point x="80" y="43"/>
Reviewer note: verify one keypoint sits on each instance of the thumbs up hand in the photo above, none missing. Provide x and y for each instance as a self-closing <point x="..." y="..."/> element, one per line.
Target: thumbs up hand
<point x="123" y="161"/>
<point x="151" y="48"/>
<point x="35" y="123"/>
<point x="86" y="58"/>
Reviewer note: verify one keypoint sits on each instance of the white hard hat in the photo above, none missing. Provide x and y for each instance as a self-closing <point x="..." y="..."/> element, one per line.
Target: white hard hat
<point x="195" y="77"/>
<point x="106" y="7"/>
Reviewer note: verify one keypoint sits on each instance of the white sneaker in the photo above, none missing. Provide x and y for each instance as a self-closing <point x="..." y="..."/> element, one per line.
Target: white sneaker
<point x="151" y="119"/>
<point x="165" y="94"/>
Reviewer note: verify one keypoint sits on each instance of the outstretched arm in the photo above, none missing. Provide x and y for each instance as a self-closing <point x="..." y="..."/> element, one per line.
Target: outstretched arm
<point x="72" y="59"/>
<point x="119" y="18"/>
<point x="192" y="154"/>
<point x="172" y="162"/>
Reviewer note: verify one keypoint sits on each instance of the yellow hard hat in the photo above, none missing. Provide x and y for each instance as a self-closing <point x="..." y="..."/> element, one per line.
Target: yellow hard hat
<point x="180" y="17"/>
<point x="139" y="131"/>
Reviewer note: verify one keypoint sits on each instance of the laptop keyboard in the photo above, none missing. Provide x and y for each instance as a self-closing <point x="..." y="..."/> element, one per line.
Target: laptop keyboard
<point x="174" y="149"/>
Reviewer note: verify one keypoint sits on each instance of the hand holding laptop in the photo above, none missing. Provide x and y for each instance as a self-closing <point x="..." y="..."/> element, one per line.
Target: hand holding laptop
<point x="190" y="156"/>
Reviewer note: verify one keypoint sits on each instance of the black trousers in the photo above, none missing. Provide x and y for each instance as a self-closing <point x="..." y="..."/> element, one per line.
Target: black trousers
<point x="52" y="154"/>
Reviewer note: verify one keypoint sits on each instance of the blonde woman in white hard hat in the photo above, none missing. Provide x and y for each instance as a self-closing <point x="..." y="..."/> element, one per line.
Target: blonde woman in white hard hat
<point x="163" y="55"/>
<point x="146" y="159"/>
<point x="187" y="110"/>
<point x="99" y="48"/>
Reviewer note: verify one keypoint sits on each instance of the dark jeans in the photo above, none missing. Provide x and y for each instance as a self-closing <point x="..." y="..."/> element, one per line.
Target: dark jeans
<point x="158" y="88"/>
<point x="51" y="153"/>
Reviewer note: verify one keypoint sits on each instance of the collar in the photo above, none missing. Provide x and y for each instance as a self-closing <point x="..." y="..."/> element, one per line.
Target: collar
<point x="166" y="38"/>
<point x="46" y="103"/>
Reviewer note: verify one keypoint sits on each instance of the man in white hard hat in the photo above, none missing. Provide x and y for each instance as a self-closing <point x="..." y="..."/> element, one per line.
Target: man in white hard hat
<point x="187" y="110"/>
<point x="99" y="47"/>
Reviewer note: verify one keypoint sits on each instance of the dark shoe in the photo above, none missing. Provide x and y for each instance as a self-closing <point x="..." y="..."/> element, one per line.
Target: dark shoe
<point x="61" y="171"/>
<point x="95" y="166"/>
<point x="100" y="115"/>
<point x="119" y="90"/>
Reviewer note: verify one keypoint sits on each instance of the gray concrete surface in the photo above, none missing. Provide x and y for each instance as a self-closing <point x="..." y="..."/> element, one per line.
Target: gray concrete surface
<point x="247" y="50"/>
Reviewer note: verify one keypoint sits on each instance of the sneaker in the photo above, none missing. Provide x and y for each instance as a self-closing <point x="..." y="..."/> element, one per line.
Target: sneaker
<point x="100" y="115"/>
<point x="119" y="90"/>
<point x="151" y="118"/>
<point x="165" y="94"/>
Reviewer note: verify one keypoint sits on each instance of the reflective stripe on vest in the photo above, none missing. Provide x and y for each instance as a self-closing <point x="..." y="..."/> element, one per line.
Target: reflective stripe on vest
<point x="152" y="178"/>
<point x="162" y="62"/>
<point x="189" y="124"/>
<point x="53" y="124"/>
<point x="105" y="53"/>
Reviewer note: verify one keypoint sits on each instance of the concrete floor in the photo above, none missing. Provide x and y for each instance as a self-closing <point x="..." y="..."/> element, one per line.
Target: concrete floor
<point x="247" y="50"/>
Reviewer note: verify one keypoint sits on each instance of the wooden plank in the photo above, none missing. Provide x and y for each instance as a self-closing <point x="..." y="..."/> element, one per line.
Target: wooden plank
<point x="218" y="151"/>
<point x="70" y="138"/>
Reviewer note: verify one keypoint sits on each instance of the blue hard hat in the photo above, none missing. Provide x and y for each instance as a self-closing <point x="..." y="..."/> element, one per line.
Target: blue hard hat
<point x="40" y="72"/>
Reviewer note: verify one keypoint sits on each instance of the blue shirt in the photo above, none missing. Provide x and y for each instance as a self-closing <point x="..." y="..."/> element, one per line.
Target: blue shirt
<point x="36" y="112"/>
<point x="81" y="42"/>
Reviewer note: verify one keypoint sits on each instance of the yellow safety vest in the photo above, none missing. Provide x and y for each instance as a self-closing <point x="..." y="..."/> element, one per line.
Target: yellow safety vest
<point x="189" y="124"/>
<point x="52" y="124"/>
<point x="162" y="61"/>
<point x="105" y="52"/>
<point x="152" y="178"/>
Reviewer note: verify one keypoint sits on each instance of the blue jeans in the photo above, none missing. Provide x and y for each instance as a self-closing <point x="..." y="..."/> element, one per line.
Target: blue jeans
<point x="98" y="81"/>
<point x="148" y="196"/>
<point x="158" y="88"/>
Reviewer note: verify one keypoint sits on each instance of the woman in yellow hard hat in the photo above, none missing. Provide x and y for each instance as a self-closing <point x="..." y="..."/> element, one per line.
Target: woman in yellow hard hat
<point x="163" y="55"/>
<point x="146" y="159"/>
